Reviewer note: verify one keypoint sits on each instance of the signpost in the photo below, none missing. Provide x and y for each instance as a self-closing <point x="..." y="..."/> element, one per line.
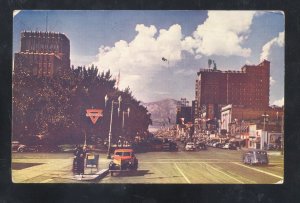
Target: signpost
<point x="92" y="159"/>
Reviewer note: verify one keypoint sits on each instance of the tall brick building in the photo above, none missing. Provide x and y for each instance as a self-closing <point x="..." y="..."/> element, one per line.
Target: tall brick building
<point x="248" y="87"/>
<point x="43" y="53"/>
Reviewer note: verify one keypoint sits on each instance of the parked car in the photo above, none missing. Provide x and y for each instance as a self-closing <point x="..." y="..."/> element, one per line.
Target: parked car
<point x="15" y="145"/>
<point x="215" y="144"/>
<point x="229" y="146"/>
<point x="220" y="145"/>
<point x="170" y="146"/>
<point x="202" y="146"/>
<point x="255" y="157"/>
<point x="190" y="146"/>
<point x="25" y="148"/>
<point x="123" y="160"/>
<point x="226" y="146"/>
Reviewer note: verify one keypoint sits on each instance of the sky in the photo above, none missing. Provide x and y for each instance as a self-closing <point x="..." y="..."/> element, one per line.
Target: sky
<point x="134" y="43"/>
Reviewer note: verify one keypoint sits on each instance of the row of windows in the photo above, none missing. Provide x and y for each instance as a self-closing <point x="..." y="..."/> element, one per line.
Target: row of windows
<point x="45" y="46"/>
<point x="42" y="71"/>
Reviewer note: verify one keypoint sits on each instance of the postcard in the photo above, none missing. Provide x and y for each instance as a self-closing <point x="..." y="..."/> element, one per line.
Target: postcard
<point x="148" y="96"/>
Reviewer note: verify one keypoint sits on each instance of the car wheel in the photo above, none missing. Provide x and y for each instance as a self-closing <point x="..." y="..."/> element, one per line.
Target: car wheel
<point x="111" y="173"/>
<point x="21" y="150"/>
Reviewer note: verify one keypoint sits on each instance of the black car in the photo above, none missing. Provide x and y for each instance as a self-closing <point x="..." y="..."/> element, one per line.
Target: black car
<point x="220" y="145"/>
<point x="202" y="146"/>
<point x="170" y="146"/>
<point x="255" y="157"/>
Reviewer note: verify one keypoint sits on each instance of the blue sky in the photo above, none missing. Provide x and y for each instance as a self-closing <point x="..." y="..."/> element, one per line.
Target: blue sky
<point x="135" y="41"/>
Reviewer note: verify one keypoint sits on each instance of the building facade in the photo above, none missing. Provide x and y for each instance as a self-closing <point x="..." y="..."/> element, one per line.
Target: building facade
<point x="257" y="127"/>
<point x="215" y="89"/>
<point x="43" y="53"/>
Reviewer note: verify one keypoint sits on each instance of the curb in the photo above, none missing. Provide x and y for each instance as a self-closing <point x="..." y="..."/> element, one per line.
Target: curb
<point x="87" y="177"/>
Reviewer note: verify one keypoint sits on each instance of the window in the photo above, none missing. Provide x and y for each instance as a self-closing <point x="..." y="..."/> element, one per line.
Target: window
<point x="126" y="154"/>
<point x="118" y="154"/>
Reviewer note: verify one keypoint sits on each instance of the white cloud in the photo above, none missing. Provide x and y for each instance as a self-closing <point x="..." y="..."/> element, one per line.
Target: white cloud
<point x="223" y="33"/>
<point x="188" y="72"/>
<point x="279" y="102"/>
<point x="277" y="41"/>
<point x="272" y="81"/>
<point x="248" y="62"/>
<point x="142" y="57"/>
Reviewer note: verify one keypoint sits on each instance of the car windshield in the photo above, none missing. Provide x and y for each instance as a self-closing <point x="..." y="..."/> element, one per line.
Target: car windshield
<point x="126" y="154"/>
<point x="118" y="154"/>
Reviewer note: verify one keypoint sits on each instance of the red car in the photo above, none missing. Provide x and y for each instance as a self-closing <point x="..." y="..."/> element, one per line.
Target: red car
<point x="123" y="159"/>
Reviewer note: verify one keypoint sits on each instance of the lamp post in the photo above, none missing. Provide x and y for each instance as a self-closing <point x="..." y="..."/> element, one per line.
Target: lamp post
<point x="111" y="119"/>
<point x="123" y="122"/>
<point x="265" y="116"/>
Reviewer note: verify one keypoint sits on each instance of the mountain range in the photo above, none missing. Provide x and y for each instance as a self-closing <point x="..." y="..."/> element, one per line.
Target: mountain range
<point x="161" y="111"/>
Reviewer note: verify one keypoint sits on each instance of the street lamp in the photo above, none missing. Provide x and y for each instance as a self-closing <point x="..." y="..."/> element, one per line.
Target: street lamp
<point x="111" y="119"/>
<point x="124" y="112"/>
<point x="265" y="116"/>
<point x="123" y="121"/>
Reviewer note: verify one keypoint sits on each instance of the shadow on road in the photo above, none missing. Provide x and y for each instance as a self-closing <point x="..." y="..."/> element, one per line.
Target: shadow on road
<point x="132" y="173"/>
<point x="20" y="166"/>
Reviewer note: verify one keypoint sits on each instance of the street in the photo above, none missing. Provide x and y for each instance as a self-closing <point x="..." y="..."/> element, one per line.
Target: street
<point x="212" y="166"/>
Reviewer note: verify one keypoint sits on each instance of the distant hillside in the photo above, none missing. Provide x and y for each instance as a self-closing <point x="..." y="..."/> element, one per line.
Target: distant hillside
<point x="162" y="110"/>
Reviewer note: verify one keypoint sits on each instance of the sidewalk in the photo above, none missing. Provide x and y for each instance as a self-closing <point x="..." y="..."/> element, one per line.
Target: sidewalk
<point x="49" y="169"/>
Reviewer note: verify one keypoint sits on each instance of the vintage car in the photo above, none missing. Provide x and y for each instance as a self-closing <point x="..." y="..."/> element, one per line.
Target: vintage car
<point x="16" y="146"/>
<point x="255" y="157"/>
<point x="190" y="146"/>
<point x="123" y="160"/>
<point x="170" y="146"/>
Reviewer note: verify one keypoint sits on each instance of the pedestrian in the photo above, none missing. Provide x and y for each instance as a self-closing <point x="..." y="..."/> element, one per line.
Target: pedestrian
<point x="75" y="164"/>
<point x="78" y="164"/>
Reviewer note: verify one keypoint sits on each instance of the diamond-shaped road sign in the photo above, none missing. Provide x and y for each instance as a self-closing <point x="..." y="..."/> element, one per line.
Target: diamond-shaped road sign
<point x="94" y="114"/>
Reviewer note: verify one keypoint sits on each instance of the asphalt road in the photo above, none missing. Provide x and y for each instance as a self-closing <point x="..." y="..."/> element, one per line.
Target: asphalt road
<point x="213" y="166"/>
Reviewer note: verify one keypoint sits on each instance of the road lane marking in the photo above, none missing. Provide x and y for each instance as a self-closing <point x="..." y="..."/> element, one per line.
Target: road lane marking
<point x="224" y="173"/>
<point x="255" y="169"/>
<point x="182" y="173"/>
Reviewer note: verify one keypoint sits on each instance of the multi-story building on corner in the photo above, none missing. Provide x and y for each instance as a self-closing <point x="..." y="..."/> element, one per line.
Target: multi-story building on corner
<point x="43" y="53"/>
<point x="215" y="89"/>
